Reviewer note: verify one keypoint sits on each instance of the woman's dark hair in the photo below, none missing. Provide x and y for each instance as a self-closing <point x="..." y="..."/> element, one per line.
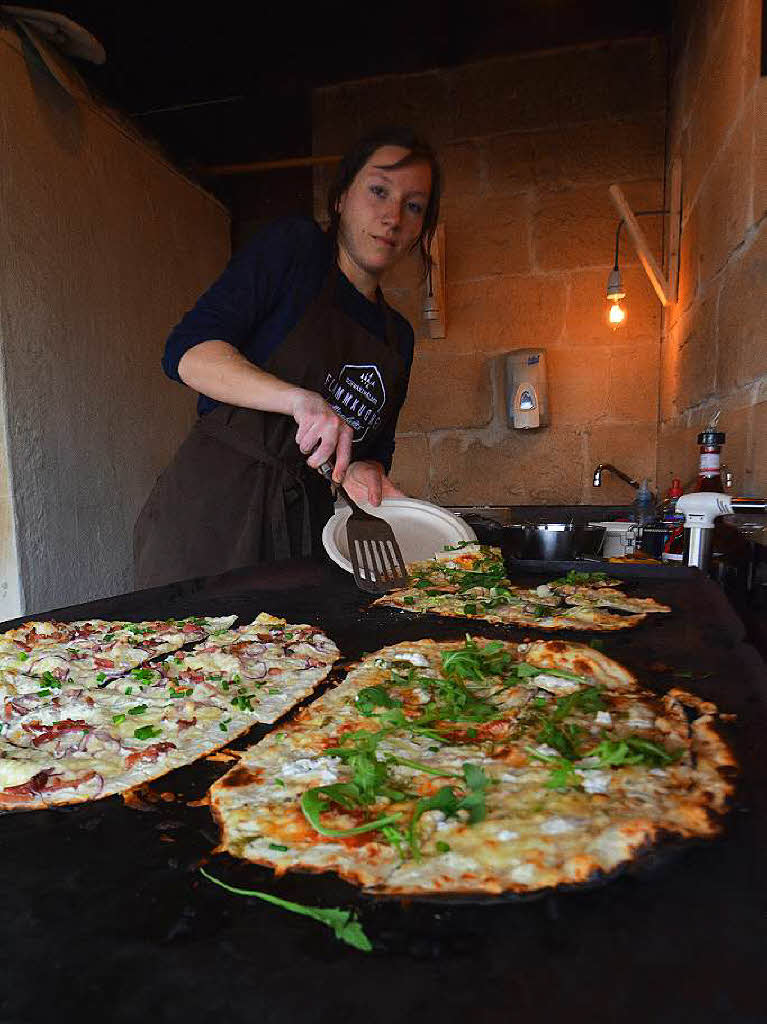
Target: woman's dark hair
<point x="419" y="152"/>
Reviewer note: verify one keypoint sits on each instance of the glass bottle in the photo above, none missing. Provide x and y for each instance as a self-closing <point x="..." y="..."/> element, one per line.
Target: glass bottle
<point x="673" y="522"/>
<point x="710" y="463"/>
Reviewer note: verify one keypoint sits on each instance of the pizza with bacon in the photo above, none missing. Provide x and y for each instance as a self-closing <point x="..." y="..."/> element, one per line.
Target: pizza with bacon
<point x="94" y="708"/>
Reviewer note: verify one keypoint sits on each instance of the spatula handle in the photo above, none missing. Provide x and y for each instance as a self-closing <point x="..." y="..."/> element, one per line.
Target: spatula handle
<point x="326" y="470"/>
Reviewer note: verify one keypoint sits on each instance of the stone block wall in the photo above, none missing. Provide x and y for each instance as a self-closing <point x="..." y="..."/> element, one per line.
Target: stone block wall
<point x="714" y="345"/>
<point x="529" y="145"/>
<point x="104" y="247"/>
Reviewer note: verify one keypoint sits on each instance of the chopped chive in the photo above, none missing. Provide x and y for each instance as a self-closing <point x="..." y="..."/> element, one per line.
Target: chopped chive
<point x="147" y="732"/>
<point x="277" y="846"/>
<point x="442" y="847"/>
<point x="118" y="718"/>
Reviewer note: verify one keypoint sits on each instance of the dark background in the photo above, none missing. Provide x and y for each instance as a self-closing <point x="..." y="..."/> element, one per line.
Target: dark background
<point x="231" y="82"/>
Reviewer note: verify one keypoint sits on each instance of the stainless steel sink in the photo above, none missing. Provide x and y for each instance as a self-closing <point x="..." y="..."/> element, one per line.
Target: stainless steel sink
<point x="504" y="515"/>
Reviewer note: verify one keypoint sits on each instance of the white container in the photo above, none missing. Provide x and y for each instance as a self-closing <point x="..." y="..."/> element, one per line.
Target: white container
<point x="620" y="539"/>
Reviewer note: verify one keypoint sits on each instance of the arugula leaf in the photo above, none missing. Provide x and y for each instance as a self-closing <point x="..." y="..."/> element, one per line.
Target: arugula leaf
<point x="575" y="578"/>
<point x="345" y="794"/>
<point x="474" y="662"/>
<point x="373" y="697"/>
<point x="633" y="750"/>
<point x="447" y="801"/>
<point x="344" y="923"/>
<point x="588" y="701"/>
<point x="564" y="739"/>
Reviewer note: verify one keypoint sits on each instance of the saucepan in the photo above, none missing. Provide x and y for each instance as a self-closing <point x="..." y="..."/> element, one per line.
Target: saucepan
<point x="553" y="541"/>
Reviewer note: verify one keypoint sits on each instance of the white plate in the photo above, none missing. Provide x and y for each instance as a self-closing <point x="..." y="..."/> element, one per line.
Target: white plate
<point x="421" y="529"/>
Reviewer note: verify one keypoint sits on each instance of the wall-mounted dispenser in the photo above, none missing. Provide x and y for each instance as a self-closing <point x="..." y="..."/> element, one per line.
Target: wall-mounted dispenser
<point x="527" y="402"/>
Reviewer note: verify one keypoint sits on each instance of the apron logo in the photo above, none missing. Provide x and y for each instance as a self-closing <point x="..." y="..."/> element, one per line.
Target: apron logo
<point x="357" y="394"/>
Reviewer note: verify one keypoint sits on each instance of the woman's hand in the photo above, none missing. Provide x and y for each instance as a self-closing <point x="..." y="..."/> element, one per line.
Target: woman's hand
<point x="367" y="481"/>
<point x="321" y="432"/>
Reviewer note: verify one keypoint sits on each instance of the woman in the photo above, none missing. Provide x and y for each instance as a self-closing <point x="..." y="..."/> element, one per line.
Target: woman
<point x="298" y="360"/>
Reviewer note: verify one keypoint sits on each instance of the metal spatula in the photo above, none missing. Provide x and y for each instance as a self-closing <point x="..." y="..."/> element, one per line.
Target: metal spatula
<point x="375" y="555"/>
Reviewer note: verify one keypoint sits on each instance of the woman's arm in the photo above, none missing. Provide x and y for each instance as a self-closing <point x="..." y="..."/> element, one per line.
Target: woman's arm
<point x="220" y="371"/>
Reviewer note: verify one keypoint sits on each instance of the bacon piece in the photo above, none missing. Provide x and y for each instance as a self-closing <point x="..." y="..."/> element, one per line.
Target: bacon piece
<point x="189" y="627"/>
<point x="103" y="662"/>
<point x="46" y="733"/>
<point x="27" y="790"/>
<point x="56" y="782"/>
<point x="46" y="782"/>
<point x="190" y="676"/>
<point x="150" y="753"/>
<point x="22" y="704"/>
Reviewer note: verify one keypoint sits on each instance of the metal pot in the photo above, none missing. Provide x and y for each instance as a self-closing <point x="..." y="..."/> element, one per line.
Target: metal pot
<point x="554" y="541"/>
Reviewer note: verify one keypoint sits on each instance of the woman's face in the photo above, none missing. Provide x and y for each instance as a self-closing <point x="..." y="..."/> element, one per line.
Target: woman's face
<point x="381" y="213"/>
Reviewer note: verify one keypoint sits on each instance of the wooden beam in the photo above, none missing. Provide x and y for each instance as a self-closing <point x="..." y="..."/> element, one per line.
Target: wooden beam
<point x="221" y="170"/>
<point x="652" y="269"/>
<point x="674" y="229"/>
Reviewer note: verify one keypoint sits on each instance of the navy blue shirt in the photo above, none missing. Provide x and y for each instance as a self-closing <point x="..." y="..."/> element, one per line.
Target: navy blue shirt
<point x="264" y="292"/>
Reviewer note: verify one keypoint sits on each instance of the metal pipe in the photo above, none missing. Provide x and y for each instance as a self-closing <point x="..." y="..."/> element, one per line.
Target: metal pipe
<point x="697" y="546"/>
<point x="597" y="481"/>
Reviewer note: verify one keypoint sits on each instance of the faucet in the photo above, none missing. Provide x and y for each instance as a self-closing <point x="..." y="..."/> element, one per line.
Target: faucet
<point x="607" y="465"/>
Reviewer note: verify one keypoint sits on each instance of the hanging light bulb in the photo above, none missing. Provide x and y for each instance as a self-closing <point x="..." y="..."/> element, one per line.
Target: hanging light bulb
<point x="617" y="314"/>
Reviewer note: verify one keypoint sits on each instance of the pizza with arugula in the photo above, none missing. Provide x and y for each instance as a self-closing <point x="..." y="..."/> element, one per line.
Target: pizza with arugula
<point x="477" y="766"/>
<point x="469" y="581"/>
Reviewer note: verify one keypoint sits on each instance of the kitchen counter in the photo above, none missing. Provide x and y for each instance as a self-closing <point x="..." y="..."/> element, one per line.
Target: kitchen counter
<point x="104" y="913"/>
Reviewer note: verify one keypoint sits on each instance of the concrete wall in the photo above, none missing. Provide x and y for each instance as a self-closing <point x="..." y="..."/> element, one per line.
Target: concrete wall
<point x="104" y="245"/>
<point x="529" y="146"/>
<point x="714" y="353"/>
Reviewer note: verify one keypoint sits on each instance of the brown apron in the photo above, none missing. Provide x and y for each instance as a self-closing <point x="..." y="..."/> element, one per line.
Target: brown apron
<point x="238" y="490"/>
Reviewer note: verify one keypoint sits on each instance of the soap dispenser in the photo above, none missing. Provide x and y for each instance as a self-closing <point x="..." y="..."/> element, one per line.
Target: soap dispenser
<point x="526" y="388"/>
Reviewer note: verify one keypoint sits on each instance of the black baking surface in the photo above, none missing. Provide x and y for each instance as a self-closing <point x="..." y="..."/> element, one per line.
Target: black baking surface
<point x="104" y="912"/>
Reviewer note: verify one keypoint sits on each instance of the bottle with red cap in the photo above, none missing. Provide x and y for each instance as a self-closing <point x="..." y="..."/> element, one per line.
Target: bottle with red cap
<point x="673" y="522"/>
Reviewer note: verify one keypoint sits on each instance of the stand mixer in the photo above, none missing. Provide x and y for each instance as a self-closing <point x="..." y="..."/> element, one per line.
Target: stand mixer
<point x="700" y="509"/>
